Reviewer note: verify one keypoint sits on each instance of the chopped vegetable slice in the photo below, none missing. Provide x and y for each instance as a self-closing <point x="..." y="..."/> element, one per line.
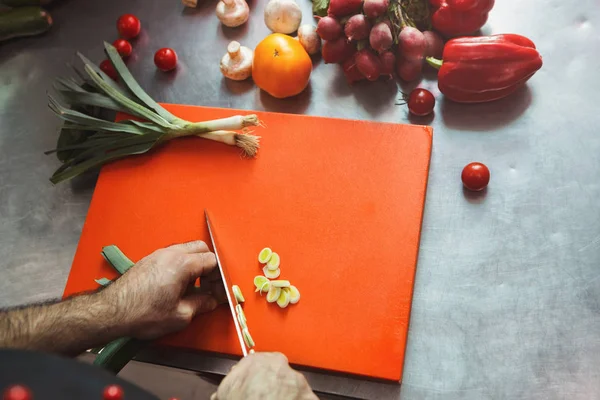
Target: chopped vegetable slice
<point x="265" y="255"/>
<point x="271" y="274"/>
<point x="242" y="321"/>
<point x="265" y="288"/>
<point x="281" y="284"/>
<point x="103" y="281"/>
<point x="284" y="298"/>
<point x="247" y="338"/>
<point x="259" y="282"/>
<point x="241" y="316"/>
<point x="273" y="262"/>
<point x="294" y="294"/>
<point x="273" y="295"/>
<point x="237" y="292"/>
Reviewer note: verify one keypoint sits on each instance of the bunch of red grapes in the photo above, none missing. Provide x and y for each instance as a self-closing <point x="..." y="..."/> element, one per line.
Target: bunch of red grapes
<point x="360" y="36"/>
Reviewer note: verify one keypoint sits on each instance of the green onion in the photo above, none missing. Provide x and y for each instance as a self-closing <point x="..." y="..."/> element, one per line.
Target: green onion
<point x="88" y="139"/>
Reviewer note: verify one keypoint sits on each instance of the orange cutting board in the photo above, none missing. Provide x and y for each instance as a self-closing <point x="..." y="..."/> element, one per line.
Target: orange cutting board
<point x="341" y="201"/>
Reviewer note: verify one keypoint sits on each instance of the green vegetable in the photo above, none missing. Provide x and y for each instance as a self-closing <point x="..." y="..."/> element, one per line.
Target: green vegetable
<point x="237" y="292"/>
<point x="115" y="355"/>
<point x="320" y="7"/>
<point x="117" y="259"/>
<point x="25" y="21"/>
<point x="247" y="338"/>
<point x="95" y="141"/>
<point x="273" y="262"/>
<point x="103" y="281"/>
<point x="262" y="284"/>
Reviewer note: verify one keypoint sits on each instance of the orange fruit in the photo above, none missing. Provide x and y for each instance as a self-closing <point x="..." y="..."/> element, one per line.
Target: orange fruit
<point x="281" y="66"/>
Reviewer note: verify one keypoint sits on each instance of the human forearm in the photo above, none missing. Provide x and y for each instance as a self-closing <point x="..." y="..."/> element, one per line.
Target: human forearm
<point x="155" y="297"/>
<point x="68" y="327"/>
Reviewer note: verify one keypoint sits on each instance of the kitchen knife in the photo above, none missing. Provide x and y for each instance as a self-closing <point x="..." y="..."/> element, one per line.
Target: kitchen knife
<point x="228" y="289"/>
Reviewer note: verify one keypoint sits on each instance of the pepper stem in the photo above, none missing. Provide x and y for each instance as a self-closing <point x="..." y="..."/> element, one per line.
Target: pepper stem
<point x="434" y="62"/>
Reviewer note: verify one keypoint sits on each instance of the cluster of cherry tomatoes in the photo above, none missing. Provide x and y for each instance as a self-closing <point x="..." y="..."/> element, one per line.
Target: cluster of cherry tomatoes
<point x="129" y="27"/>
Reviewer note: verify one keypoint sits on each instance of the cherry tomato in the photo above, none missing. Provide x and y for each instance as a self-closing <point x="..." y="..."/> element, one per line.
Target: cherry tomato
<point x="129" y="26"/>
<point x="475" y="176"/>
<point x="113" y="392"/>
<point x="107" y="67"/>
<point x="421" y="102"/>
<point x="17" y="392"/>
<point x="165" y="59"/>
<point x="123" y="47"/>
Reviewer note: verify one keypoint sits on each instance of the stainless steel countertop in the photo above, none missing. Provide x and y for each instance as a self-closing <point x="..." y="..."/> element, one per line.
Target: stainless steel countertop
<point x="507" y="293"/>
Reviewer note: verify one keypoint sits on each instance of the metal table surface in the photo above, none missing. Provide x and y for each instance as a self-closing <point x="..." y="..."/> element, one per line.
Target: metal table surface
<point x="507" y="293"/>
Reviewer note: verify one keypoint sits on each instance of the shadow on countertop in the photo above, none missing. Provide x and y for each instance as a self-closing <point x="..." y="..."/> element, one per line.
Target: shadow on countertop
<point x="485" y="116"/>
<point x="292" y="105"/>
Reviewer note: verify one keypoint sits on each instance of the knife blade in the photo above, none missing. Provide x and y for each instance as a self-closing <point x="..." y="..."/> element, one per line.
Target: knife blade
<point x="228" y="287"/>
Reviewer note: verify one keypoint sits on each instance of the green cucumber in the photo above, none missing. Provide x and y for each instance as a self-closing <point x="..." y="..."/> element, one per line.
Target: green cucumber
<point x="24" y="21"/>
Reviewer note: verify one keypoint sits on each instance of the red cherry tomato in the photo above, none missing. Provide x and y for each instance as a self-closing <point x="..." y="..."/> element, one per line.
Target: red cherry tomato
<point x="165" y="59"/>
<point x="421" y="102"/>
<point x="113" y="392"/>
<point x="475" y="176"/>
<point x="107" y="67"/>
<point x="129" y="26"/>
<point x="17" y="392"/>
<point x="123" y="47"/>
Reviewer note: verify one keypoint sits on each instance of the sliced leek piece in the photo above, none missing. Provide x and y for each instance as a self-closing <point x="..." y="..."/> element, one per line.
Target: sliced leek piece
<point x="294" y="294"/>
<point x="265" y="255"/>
<point x="238" y="309"/>
<point x="265" y="288"/>
<point x="241" y="317"/>
<point x="271" y="274"/>
<point x="237" y="292"/>
<point x="247" y="338"/>
<point x="273" y="295"/>
<point x="281" y="284"/>
<point x="274" y="262"/>
<point x="284" y="298"/>
<point x="261" y="283"/>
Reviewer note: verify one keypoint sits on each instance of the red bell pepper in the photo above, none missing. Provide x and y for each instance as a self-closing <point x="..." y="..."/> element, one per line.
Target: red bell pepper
<point x="459" y="17"/>
<point x="485" y="68"/>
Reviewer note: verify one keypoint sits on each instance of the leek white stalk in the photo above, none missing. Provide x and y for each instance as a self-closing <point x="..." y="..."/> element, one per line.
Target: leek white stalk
<point x="88" y="141"/>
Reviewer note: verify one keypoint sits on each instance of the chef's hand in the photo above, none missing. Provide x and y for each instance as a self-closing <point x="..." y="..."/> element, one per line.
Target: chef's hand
<point x="264" y="376"/>
<point x="157" y="295"/>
